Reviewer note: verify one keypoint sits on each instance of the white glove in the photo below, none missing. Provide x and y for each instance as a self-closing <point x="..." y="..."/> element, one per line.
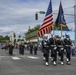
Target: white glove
<point x="61" y="48"/>
<point x="55" y="48"/>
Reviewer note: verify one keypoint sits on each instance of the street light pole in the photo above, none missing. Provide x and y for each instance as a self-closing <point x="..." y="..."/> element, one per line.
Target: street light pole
<point x="75" y="19"/>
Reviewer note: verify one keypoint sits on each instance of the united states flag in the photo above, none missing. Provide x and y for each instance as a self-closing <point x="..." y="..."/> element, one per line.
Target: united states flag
<point x="46" y="27"/>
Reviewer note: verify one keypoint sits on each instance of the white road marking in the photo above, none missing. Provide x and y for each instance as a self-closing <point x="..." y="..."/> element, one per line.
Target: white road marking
<point x="32" y="57"/>
<point x="16" y="58"/>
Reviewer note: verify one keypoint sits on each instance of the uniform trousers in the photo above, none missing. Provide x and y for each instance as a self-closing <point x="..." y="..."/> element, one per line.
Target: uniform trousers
<point x="68" y="52"/>
<point x="46" y="53"/>
<point x="61" y="53"/>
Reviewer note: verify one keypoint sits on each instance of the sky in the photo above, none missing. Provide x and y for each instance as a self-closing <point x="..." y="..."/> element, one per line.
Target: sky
<point x="18" y="15"/>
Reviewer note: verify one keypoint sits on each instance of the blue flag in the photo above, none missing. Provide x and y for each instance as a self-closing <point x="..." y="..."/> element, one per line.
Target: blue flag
<point x="60" y="21"/>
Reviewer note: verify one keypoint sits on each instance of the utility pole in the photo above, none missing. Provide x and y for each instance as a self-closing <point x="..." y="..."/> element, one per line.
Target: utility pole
<point x="75" y="19"/>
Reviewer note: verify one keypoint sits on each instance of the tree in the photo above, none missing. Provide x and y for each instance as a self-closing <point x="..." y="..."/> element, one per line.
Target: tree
<point x="20" y="40"/>
<point x="14" y="41"/>
<point x="6" y="37"/>
<point x="19" y="36"/>
<point x="33" y="29"/>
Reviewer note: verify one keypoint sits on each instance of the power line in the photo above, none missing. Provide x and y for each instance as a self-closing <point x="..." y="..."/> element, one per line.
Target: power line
<point x="70" y="22"/>
<point x="66" y="14"/>
<point x="65" y="8"/>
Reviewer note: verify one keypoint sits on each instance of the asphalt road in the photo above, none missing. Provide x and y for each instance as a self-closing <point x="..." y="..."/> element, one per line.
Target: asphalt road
<point x="28" y="64"/>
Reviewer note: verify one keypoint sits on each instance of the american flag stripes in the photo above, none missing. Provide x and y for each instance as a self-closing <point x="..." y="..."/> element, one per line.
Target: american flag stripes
<point x="46" y="27"/>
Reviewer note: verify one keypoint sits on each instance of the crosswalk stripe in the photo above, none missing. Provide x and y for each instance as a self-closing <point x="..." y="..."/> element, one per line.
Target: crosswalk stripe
<point x="32" y="57"/>
<point x="16" y="58"/>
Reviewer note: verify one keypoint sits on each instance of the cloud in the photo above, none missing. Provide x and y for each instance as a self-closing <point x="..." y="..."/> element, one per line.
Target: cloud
<point x="18" y="15"/>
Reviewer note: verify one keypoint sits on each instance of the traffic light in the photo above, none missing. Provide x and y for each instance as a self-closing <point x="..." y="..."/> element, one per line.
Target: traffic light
<point x="36" y="16"/>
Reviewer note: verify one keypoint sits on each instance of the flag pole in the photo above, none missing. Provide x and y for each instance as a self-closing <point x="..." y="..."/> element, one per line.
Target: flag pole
<point x="61" y="28"/>
<point x="61" y="31"/>
<point x="61" y="34"/>
<point x="53" y="26"/>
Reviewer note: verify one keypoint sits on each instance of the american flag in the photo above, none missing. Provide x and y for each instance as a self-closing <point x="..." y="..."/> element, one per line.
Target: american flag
<point x="46" y="27"/>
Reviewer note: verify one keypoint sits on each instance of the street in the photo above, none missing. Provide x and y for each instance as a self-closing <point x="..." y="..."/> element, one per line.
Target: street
<point x="28" y="64"/>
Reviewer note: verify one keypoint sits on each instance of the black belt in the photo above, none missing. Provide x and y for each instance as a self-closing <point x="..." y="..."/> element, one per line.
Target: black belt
<point x="60" y="46"/>
<point x="52" y="45"/>
<point x="46" y="46"/>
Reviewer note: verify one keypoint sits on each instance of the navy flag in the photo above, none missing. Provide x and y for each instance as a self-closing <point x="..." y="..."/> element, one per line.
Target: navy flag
<point x="60" y="21"/>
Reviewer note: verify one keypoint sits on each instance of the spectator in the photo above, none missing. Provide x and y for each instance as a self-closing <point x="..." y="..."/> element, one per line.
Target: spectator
<point x="35" y="49"/>
<point x="73" y="49"/>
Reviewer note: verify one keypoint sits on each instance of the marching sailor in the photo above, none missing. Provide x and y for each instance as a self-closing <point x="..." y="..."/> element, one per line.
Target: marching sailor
<point x="45" y="48"/>
<point x="52" y="44"/>
<point x="60" y="49"/>
<point x="68" y="42"/>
